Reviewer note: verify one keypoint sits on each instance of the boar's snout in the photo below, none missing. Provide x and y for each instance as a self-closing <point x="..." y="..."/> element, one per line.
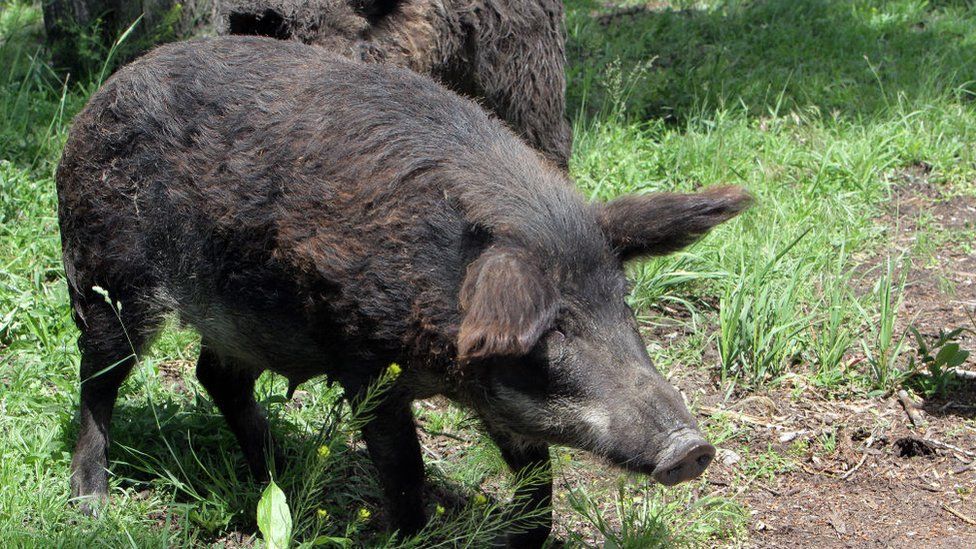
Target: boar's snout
<point x="685" y="457"/>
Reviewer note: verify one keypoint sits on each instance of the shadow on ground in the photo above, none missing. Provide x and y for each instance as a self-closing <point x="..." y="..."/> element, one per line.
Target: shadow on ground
<point x="960" y="401"/>
<point x="767" y="56"/>
<point x="184" y="448"/>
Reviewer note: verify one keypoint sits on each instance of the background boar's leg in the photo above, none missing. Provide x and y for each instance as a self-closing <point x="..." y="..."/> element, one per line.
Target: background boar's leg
<point x="232" y="389"/>
<point x="108" y="354"/>
<point x="529" y="463"/>
<point x="391" y="438"/>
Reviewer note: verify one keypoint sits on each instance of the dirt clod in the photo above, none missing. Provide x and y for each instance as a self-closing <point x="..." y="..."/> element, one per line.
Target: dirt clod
<point x="909" y="447"/>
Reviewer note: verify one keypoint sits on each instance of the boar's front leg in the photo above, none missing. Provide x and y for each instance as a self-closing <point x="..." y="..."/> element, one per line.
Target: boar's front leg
<point x="232" y="389"/>
<point x="533" y="499"/>
<point x="391" y="438"/>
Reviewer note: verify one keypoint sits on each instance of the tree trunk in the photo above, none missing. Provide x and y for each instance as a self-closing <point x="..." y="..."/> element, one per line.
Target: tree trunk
<point x="80" y="32"/>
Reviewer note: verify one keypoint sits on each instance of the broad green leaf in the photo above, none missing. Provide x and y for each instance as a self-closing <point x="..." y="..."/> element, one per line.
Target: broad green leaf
<point x="957" y="359"/>
<point x="274" y="517"/>
<point x="946" y="353"/>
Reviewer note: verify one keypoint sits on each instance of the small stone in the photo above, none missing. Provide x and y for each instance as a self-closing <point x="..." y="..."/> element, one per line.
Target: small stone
<point x="727" y="457"/>
<point x="788" y="436"/>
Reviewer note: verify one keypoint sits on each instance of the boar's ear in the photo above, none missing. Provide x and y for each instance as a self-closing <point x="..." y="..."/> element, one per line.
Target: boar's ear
<point x="658" y="224"/>
<point x="507" y="304"/>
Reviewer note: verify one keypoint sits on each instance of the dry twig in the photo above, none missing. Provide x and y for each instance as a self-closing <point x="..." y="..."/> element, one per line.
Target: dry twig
<point x="963" y="468"/>
<point x="913" y="414"/>
<point x="946" y="446"/>
<point x="864" y="458"/>
<point x="956" y="405"/>
<point x="431" y="453"/>
<point x="739" y="416"/>
<point x="959" y="515"/>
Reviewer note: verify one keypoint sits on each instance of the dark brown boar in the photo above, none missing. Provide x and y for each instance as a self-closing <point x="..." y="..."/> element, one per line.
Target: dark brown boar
<point x="509" y="54"/>
<point x="315" y="216"/>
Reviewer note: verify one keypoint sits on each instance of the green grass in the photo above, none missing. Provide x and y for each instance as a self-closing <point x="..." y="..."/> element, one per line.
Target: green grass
<point x="813" y="105"/>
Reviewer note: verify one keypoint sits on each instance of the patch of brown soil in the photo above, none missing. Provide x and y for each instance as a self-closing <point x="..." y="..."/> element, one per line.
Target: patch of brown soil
<point x="175" y="374"/>
<point x="867" y="512"/>
<point x="235" y="540"/>
<point x="940" y="293"/>
<point x="859" y="475"/>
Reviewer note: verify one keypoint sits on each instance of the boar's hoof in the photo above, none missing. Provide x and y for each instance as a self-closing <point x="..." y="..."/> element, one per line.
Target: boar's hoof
<point x="90" y="505"/>
<point x="685" y="458"/>
<point x="89" y="487"/>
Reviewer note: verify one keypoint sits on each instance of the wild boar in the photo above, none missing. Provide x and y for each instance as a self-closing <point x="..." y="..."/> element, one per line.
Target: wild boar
<point x="312" y="216"/>
<point x="509" y="54"/>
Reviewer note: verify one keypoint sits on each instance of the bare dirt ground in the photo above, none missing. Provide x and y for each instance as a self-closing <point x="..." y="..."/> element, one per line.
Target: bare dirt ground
<point x="881" y="483"/>
<point x="862" y="474"/>
<point x="940" y="294"/>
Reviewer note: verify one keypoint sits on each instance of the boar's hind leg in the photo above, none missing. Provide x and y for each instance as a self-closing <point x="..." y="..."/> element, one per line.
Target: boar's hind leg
<point x="391" y="438"/>
<point x="109" y="342"/>
<point x="232" y="389"/>
<point x="533" y="498"/>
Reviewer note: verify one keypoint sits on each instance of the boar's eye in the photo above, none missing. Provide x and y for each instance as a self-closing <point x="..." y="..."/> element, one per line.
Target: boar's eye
<point x="562" y="329"/>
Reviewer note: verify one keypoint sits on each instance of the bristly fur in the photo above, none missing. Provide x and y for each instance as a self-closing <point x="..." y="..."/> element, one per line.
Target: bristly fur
<point x="509" y="54"/>
<point x="243" y="177"/>
<point x="313" y="215"/>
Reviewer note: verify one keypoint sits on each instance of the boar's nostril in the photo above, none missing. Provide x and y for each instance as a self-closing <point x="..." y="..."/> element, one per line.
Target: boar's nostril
<point x="685" y="458"/>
